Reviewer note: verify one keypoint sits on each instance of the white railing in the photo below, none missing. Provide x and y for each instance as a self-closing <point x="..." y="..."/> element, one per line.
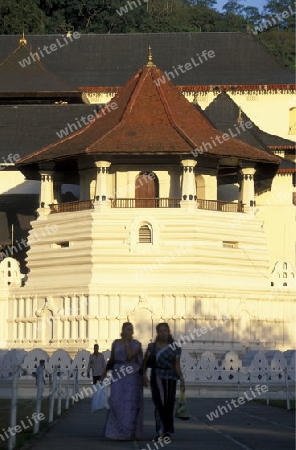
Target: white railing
<point x="224" y="377"/>
<point x="198" y="368"/>
<point x="55" y="396"/>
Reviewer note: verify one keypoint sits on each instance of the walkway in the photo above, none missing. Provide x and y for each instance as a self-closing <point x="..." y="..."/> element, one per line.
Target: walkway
<point x="251" y="426"/>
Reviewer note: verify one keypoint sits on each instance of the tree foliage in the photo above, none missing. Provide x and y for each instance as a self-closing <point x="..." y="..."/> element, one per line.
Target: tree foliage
<point x="17" y="16"/>
<point x="233" y="7"/>
<point x="144" y="16"/>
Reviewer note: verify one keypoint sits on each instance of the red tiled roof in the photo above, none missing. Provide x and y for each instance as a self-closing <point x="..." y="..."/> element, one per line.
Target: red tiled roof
<point x="149" y="119"/>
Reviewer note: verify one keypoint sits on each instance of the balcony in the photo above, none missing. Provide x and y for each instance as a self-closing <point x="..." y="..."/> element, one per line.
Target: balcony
<point x="71" y="206"/>
<point x="125" y="203"/>
<point x="215" y="205"/>
<point x="145" y="203"/>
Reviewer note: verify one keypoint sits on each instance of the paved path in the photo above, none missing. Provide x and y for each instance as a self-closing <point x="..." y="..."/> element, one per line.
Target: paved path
<point x="252" y="426"/>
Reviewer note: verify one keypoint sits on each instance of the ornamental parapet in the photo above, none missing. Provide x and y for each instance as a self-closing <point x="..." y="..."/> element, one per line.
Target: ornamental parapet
<point x="126" y="203"/>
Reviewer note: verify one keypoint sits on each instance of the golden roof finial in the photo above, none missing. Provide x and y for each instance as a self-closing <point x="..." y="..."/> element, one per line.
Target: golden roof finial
<point x="239" y="119"/>
<point x="150" y="62"/>
<point x="23" y="41"/>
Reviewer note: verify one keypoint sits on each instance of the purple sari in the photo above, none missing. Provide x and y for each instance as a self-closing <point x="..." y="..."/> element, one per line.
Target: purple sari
<point x="125" y="417"/>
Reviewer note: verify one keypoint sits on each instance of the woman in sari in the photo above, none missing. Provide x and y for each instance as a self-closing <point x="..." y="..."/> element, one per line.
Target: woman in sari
<point x="125" y="418"/>
<point x="163" y="356"/>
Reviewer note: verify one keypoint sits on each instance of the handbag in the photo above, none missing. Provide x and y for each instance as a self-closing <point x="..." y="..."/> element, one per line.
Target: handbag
<point x="182" y="408"/>
<point x="100" y="398"/>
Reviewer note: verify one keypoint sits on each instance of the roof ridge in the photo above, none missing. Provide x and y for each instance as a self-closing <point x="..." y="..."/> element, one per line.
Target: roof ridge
<point x="39" y="65"/>
<point x="141" y="78"/>
<point x="124" y="115"/>
<point x="10" y="54"/>
<point x="171" y="118"/>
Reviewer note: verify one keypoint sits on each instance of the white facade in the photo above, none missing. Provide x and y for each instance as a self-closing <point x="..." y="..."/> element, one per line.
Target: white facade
<point x="228" y="275"/>
<point x="202" y="270"/>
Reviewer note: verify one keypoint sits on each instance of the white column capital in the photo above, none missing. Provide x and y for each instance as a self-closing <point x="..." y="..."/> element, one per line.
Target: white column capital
<point x="188" y="163"/>
<point x="46" y="173"/>
<point x="248" y="172"/>
<point x="101" y="164"/>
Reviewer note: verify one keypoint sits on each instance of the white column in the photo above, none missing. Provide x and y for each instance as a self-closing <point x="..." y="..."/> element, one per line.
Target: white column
<point x="247" y="189"/>
<point x="4" y="327"/>
<point x="74" y="313"/>
<point x="26" y="323"/>
<point x="58" y="328"/>
<point x="101" y="191"/>
<point x="46" y="192"/>
<point x="35" y="316"/>
<point x="92" y="320"/>
<point x="31" y="314"/>
<point x="67" y="312"/>
<point x="21" y="317"/>
<point x="188" y="192"/>
<point x="80" y="317"/>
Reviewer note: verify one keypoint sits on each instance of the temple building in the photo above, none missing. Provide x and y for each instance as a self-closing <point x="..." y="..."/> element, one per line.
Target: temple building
<point x="156" y="201"/>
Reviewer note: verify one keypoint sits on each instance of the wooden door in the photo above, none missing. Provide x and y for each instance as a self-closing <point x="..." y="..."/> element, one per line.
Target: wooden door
<point x="146" y="190"/>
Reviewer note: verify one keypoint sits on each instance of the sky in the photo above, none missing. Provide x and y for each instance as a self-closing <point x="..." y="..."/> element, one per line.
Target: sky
<point x="257" y="3"/>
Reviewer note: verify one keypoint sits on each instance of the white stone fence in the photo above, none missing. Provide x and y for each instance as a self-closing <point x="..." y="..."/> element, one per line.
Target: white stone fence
<point x="56" y="394"/>
<point x="205" y="375"/>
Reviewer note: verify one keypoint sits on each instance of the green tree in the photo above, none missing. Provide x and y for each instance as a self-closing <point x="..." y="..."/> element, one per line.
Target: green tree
<point x="252" y="14"/>
<point x="205" y="3"/>
<point x="101" y="16"/>
<point x="281" y="43"/>
<point x="17" y="16"/>
<point x="277" y="6"/>
<point x="204" y="19"/>
<point x="279" y="35"/>
<point x="275" y="9"/>
<point x="233" y="7"/>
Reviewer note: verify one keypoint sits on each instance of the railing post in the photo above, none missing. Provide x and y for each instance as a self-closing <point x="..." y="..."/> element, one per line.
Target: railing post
<point x="75" y="384"/>
<point x="59" y="408"/>
<point x="287" y="389"/>
<point x="13" y="411"/>
<point x="40" y="386"/>
<point x="52" y="395"/>
<point x="267" y="392"/>
<point x="76" y="381"/>
<point x="68" y="390"/>
<point x="238" y="382"/>
<point x="250" y="381"/>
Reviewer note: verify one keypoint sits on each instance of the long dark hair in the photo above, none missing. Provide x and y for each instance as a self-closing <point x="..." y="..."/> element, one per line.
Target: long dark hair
<point x="166" y="325"/>
<point x="124" y="325"/>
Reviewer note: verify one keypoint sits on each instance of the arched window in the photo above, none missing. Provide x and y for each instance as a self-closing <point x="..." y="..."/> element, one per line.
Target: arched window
<point x="145" y="234"/>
